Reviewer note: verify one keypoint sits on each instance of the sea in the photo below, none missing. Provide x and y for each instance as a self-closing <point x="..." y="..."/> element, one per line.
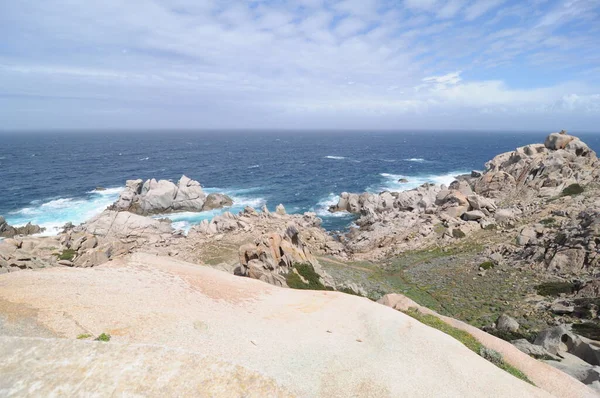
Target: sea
<point x="51" y="178"/>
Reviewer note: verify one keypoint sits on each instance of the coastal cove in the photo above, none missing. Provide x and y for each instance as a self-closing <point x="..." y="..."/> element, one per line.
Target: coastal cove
<point x="303" y="170"/>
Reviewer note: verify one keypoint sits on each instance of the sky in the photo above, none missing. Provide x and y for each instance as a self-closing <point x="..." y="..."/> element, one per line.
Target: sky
<point x="304" y="64"/>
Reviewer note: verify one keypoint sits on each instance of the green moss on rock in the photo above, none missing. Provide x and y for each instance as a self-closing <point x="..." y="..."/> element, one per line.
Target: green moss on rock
<point x="572" y="190"/>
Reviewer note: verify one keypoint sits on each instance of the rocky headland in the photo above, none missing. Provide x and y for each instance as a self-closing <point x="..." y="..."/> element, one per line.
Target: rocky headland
<point x="512" y="250"/>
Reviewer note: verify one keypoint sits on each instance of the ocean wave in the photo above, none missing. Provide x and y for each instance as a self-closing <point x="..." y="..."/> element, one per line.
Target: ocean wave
<point x="322" y="207"/>
<point x="146" y="158"/>
<point x="256" y="166"/>
<point x="417" y="160"/>
<point x="54" y="213"/>
<point x="391" y="181"/>
<point x="335" y="157"/>
<point x="107" y="191"/>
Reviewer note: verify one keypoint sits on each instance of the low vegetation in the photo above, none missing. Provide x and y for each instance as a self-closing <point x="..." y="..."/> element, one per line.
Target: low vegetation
<point x="555" y="289"/>
<point x="469" y="341"/>
<point x="84" y="336"/>
<point x="548" y="221"/>
<point x="487" y="265"/>
<point x="591" y="330"/>
<point x="103" y="337"/>
<point x="67" y="254"/>
<point x="306" y="271"/>
<point x="572" y="190"/>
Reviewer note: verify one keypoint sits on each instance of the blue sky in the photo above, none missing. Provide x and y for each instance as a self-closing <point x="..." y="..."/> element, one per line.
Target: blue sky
<point x="336" y="64"/>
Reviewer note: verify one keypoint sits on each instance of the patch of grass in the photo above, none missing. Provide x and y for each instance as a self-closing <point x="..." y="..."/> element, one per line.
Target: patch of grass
<point x="469" y="341"/>
<point x="548" y="221"/>
<point x="490" y="227"/>
<point x="572" y="190"/>
<point x="84" y="336"/>
<point x="67" y="254"/>
<point x="487" y="265"/>
<point x="458" y="234"/>
<point x="431" y="320"/>
<point x="103" y="337"/>
<point x="307" y="271"/>
<point x="555" y="289"/>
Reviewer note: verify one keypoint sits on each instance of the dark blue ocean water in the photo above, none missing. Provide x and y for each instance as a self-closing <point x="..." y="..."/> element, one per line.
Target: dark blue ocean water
<point x="50" y="178"/>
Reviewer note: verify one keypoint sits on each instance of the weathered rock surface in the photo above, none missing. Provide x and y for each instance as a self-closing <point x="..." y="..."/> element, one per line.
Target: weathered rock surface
<point x="177" y="332"/>
<point x="162" y="196"/>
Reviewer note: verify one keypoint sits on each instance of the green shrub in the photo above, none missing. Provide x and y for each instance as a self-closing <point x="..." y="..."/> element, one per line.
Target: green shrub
<point x="591" y="330"/>
<point x="347" y="290"/>
<point x="307" y="271"/>
<point x="555" y="288"/>
<point x="67" y="254"/>
<point x="457" y="233"/>
<point x="84" y="336"/>
<point x="487" y="265"/>
<point x="511" y="336"/>
<point x="572" y="190"/>
<point x="548" y="221"/>
<point x="103" y="337"/>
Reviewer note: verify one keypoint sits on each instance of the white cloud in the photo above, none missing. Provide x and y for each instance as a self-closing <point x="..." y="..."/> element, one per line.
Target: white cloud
<point x="266" y="60"/>
<point x="480" y="7"/>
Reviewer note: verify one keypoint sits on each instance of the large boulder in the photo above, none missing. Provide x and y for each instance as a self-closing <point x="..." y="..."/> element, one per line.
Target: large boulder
<point x="507" y="324"/>
<point x="162" y="196"/>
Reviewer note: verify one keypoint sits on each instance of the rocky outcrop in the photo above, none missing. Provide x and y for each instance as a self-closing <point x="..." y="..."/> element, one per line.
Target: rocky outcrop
<point x="161" y="197"/>
<point x="538" y="170"/>
<point x="8" y="231"/>
<point x="107" y="236"/>
<point x="575" y="355"/>
<point x="272" y="257"/>
<point x="561" y="245"/>
<point x="390" y="222"/>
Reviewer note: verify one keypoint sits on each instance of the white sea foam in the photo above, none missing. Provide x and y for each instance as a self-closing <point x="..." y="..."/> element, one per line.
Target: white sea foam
<point x="256" y="166"/>
<point x="52" y="214"/>
<point x="185" y="220"/>
<point x="335" y="157"/>
<point x="146" y="158"/>
<point x="417" y="160"/>
<point x="391" y="182"/>
<point x="322" y="207"/>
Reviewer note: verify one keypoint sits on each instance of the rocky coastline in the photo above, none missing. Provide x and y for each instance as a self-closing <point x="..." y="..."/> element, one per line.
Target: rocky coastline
<point x="528" y="223"/>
